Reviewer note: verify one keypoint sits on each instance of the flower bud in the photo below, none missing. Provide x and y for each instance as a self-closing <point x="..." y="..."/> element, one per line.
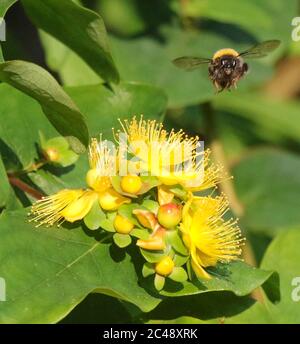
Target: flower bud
<point x="57" y="151"/>
<point x="123" y="225"/>
<point x="165" y="266"/>
<point x="110" y="200"/>
<point x="131" y="184"/>
<point x="169" y="215"/>
<point x="52" y="154"/>
<point x="146" y="218"/>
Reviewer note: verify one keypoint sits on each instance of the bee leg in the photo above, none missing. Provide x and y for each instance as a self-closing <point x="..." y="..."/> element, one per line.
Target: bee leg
<point x="217" y="87"/>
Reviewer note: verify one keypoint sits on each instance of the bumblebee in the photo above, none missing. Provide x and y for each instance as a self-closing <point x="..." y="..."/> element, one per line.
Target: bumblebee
<point x="227" y="66"/>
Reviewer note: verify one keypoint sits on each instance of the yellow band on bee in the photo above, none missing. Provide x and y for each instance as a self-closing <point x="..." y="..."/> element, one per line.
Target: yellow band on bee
<point x="225" y="51"/>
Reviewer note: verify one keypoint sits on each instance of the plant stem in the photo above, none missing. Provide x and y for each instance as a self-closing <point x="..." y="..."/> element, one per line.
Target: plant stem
<point x="24" y="187"/>
<point x="227" y="185"/>
<point x="35" y="166"/>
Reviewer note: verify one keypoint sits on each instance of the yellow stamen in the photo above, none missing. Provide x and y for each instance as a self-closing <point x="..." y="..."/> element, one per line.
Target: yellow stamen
<point x="156" y="147"/>
<point x="208" y="237"/>
<point x="48" y="210"/>
<point x="78" y="209"/>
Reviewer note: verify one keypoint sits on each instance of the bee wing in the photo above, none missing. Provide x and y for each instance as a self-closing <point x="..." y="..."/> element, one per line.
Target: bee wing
<point x="190" y="63"/>
<point x="261" y="49"/>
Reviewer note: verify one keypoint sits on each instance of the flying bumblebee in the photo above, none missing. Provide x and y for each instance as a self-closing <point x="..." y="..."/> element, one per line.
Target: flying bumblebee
<point x="227" y="66"/>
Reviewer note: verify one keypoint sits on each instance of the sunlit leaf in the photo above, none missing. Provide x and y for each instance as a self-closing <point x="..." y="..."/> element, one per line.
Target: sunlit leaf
<point x="79" y="28"/>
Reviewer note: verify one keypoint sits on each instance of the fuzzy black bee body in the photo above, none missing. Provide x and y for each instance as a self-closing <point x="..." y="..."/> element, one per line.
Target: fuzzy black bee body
<point x="225" y="71"/>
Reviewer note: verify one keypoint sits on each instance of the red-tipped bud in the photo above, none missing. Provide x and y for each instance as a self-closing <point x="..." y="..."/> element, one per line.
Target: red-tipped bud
<point x="169" y="215"/>
<point x="146" y="218"/>
<point x="156" y="242"/>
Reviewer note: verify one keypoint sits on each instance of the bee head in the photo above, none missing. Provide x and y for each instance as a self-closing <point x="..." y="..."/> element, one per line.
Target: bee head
<point x="228" y="64"/>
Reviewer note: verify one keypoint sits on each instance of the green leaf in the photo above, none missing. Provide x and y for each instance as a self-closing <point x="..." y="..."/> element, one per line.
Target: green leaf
<point x="21" y="119"/>
<point x="148" y="270"/>
<point x="284" y="256"/>
<point x="124" y="16"/>
<point x="46" y="181"/>
<point x="5" y="189"/>
<point x="268" y="184"/>
<point x="256" y="314"/>
<point x="150" y="205"/>
<point x="48" y="271"/>
<point x="159" y="282"/>
<point x="73" y="71"/>
<point x="122" y="240"/>
<point x="151" y="256"/>
<point x="107" y="225"/>
<point x="98" y="309"/>
<point x="139" y="233"/>
<point x="217" y="306"/>
<point x="5" y="5"/>
<point x="233" y="12"/>
<point x="93" y="219"/>
<point x="179" y="259"/>
<point x="178" y="275"/>
<point x="236" y="277"/>
<point x="264" y="112"/>
<point x="67" y="158"/>
<point x="56" y="104"/>
<point x="80" y="29"/>
<point x="238" y="14"/>
<point x="175" y="240"/>
<point x="59" y="143"/>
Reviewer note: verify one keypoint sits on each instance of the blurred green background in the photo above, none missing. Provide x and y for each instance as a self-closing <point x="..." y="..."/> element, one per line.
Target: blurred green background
<point x="258" y="124"/>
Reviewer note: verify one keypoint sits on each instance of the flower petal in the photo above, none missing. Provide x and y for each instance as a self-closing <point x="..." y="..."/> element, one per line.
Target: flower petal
<point x="78" y="209"/>
<point x="111" y="199"/>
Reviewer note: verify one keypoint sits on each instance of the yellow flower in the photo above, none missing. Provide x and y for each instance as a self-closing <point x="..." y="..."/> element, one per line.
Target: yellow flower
<point x="74" y="205"/>
<point x="155" y="148"/>
<point x="172" y="156"/>
<point x="197" y="175"/>
<point x="70" y="205"/>
<point x="103" y="162"/>
<point x="208" y="237"/>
